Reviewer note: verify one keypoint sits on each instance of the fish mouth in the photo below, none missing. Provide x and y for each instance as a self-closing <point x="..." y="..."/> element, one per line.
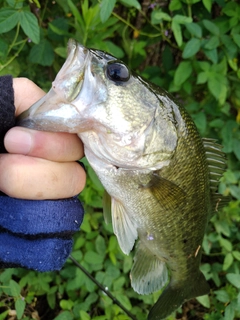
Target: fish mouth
<point x="55" y="111"/>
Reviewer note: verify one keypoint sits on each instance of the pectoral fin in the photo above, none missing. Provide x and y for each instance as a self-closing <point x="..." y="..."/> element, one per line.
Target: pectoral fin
<point x="123" y="226"/>
<point x="166" y="192"/>
<point x="107" y="207"/>
<point x="148" y="274"/>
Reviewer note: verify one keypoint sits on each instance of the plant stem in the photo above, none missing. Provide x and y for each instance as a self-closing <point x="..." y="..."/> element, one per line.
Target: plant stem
<point x="150" y="35"/>
<point x="14" y="56"/>
<point x="104" y="289"/>
<point x="15" y="39"/>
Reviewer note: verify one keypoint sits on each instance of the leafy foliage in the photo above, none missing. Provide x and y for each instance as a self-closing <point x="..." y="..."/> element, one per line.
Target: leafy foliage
<point x="192" y="49"/>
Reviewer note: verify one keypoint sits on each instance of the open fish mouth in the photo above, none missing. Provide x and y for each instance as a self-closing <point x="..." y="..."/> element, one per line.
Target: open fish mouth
<point x="55" y="111"/>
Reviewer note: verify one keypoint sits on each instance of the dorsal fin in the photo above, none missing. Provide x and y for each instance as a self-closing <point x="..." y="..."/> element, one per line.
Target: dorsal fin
<point x="216" y="161"/>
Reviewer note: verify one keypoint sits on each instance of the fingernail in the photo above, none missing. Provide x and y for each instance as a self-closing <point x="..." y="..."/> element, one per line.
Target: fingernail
<point x="18" y="140"/>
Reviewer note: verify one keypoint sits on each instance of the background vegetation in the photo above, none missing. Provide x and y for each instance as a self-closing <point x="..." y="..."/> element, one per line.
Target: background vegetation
<point x="189" y="47"/>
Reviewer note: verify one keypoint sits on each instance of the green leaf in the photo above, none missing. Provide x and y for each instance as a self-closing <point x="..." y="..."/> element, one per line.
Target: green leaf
<point x="42" y="53"/>
<point x="61" y="51"/>
<point x="119" y="283"/>
<point x="94" y="178"/>
<point x="75" y="12"/>
<point x="200" y="121"/>
<point x="222" y="296"/>
<point x="158" y="16"/>
<point x="236" y="38"/>
<point x="84" y="315"/>
<point x="217" y="123"/>
<point x="20" y="306"/>
<point x="234" y="279"/>
<point x="236" y="255"/>
<point x="212" y="43"/>
<point x="15" y="288"/>
<point x="175" y="5"/>
<point x="182" y="73"/>
<point x="235" y="191"/>
<point x="106" y="8"/>
<point x="217" y="85"/>
<point x="229" y="312"/>
<point x="202" y="77"/>
<point x="100" y="245"/>
<point x="125" y="301"/>
<point x="66" y="304"/>
<point x="226" y="244"/>
<point x="13" y="68"/>
<point x="182" y="19"/>
<point x="210" y="26"/>
<point x="230" y="46"/>
<point x="191" y="48"/>
<point x="228" y="261"/>
<point x="65" y="315"/>
<point x="204" y="300"/>
<point x="211" y="55"/>
<point x="115" y="50"/>
<point x="236" y="148"/>
<point x="57" y="29"/>
<point x="93" y="257"/>
<point x="15" y="4"/>
<point x="194" y="29"/>
<point x="230" y="9"/>
<point x="205" y="66"/>
<point x="4" y="315"/>
<point x="208" y="5"/>
<point x="177" y="32"/>
<point x="29" y="24"/>
<point x="8" y="19"/>
<point x="51" y="299"/>
<point x="3" y="48"/>
<point x="131" y="3"/>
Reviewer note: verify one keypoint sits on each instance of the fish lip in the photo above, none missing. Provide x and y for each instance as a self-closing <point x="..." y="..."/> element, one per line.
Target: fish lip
<point x="54" y="111"/>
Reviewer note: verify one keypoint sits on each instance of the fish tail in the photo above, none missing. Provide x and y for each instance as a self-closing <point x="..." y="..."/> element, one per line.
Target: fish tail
<point x="174" y="296"/>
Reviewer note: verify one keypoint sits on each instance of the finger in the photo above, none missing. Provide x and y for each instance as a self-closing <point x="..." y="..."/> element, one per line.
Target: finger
<point x="48" y="145"/>
<point x="26" y="92"/>
<point x="33" y="178"/>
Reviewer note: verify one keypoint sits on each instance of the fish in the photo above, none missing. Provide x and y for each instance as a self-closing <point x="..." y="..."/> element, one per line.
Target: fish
<point x="161" y="178"/>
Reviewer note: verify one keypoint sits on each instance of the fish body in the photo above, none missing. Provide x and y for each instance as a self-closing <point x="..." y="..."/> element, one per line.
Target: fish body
<point x="160" y="176"/>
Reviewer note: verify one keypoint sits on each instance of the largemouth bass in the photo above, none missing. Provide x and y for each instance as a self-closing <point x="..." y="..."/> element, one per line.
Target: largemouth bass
<point x="161" y="177"/>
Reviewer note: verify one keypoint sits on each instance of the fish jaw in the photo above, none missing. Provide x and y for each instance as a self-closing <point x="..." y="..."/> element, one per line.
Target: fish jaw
<point x="50" y="114"/>
<point x="57" y="111"/>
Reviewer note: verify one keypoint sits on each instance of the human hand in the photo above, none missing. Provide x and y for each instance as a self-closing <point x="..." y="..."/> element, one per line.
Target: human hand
<point x="39" y="165"/>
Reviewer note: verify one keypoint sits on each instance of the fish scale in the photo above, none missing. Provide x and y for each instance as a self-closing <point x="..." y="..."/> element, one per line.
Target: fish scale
<point x="160" y="176"/>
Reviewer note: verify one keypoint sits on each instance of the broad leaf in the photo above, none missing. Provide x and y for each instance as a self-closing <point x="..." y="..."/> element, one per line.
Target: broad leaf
<point x="106" y="8"/>
<point x="191" y="48"/>
<point x="182" y="73"/>
<point x="208" y="5"/>
<point x="194" y="29"/>
<point x="182" y="19"/>
<point x="30" y="26"/>
<point x="20" y="306"/>
<point x="234" y="279"/>
<point x="8" y="19"/>
<point x="212" y="27"/>
<point x="177" y="32"/>
<point x="132" y="3"/>
<point x="42" y="53"/>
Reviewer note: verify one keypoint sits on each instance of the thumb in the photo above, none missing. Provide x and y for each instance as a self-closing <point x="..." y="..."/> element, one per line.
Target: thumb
<point x="26" y="92"/>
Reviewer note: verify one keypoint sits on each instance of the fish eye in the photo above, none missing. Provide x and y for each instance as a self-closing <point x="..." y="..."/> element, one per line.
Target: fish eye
<point x="117" y="71"/>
